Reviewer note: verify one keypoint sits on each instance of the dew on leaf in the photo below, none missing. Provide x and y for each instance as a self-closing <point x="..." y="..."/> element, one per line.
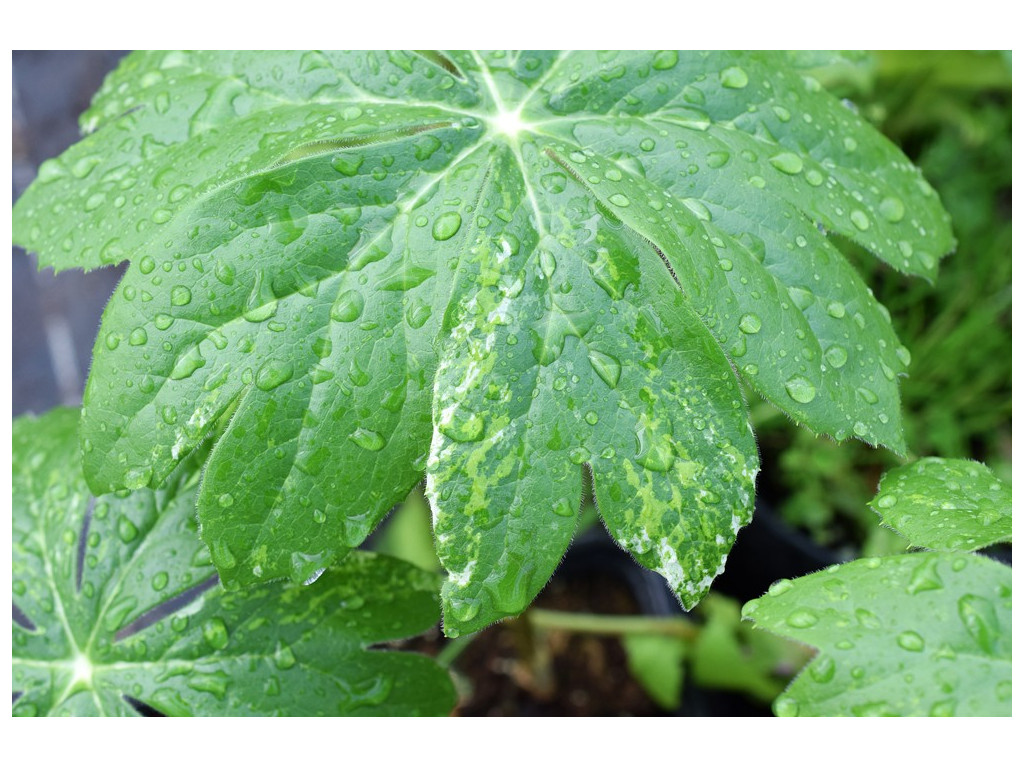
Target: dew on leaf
<point x="446" y="226"/>
<point x="215" y="632"/>
<point x="800" y="389"/>
<point x="606" y="366"/>
<point x="787" y="162"/>
<point x="127" y="530"/>
<point x="750" y="323"/>
<point x="860" y="219"/>
<point x="836" y="356"/>
<point x="734" y="77"/>
<point x="910" y="641"/>
<point x="180" y="295"/>
<point x="368" y="439"/>
<point x="347" y="307"/>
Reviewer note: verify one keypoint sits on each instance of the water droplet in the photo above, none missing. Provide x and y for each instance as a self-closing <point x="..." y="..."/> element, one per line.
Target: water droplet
<point x="126" y="530"/>
<point x="591" y="418"/>
<point x="160" y="580"/>
<point x="867" y="395"/>
<point x="860" y="220"/>
<point x="446" y="225"/>
<point x="180" y="295"/>
<point x="867" y="619"/>
<point x="822" y="669"/>
<point x="284" y="658"/>
<point x="619" y="199"/>
<point x="138" y="337"/>
<point x="802" y="618"/>
<point x="944" y="708"/>
<point x="910" y="641"/>
<point x="273" y="374"/>
<point x="563" y="508"/>
<point x="146" y="265"/>
<point x="261" y="304"/>
<point x="734" y="77"/>
<point x="464" y="609"/>
<point x="750" y="323"/>
<point x="924" y="577"/>
<point x="780" y="587"/>
<point x="903" y="354"/>
<point x="347" y="163"/>
<point x="225" y="500"/>
<point x="215" y="632"/>
<point x="892" y="209"/>
<point x="347" y="307"/>
<point x="368" y="439"/>
<point x="886" y="501"/>
<point x="836" y="356"/>
<point x="786" y="707"/>
<point x="836" y="309"/>
<point x="717" y="159"/>
<point x="462" y="425"/>
<point x="787" y="162"/>
<point x="665" y="60"/>
<point x="800" y="389"/>
<point x="979" y="619"/>
<point x="605" y="366"/>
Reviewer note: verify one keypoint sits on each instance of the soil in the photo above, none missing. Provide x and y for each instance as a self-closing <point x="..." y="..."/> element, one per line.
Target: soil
<point x="510" y="671"/>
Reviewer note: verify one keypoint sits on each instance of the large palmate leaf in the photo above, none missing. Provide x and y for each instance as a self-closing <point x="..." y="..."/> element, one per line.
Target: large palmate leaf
<point x="116" y="605"/>
<point x="497" y="268"/>
<point x="953" y="505"/>
<point x="927" y="633"/>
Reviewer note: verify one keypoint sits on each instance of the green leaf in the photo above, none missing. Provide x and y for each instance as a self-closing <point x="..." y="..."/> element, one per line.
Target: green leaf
<point x="497" y="268"/>
<point x="952" y="505"/>
<point x="920" y="634"/>
<point x="116" y="601"/>
<point x="656" y="662"/>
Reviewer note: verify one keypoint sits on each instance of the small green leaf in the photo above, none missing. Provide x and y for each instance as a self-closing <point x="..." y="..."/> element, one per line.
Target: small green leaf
<point x="656" y="662"/>
<point x="952" y="505"/>
<point x="729" y="655"/>
<point x="920" y="634"/>
<point x="116" y="601"/>
<point x="493" y="267"/>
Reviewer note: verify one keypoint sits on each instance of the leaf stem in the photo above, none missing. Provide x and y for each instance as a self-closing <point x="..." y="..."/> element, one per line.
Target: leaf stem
<point x="599" y="624"/>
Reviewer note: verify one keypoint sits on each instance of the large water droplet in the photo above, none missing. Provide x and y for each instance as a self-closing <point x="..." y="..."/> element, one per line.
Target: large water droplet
<point x="447" y="225"/>
<point x="273" y="374"/>
<point x="801" y="389"/>
<point x="605" y="366"/>
<point x="734" y="77"/>
<point x="787" y="162"/>
<point x="802" y="618"/>
<point x="347" y="307"/>
<point x="910" y="641"/>
<point x="180" y="295"/>
<point x="462" y="425"/>
<point x="750" y="323"/>
<point x="215" y="632"/>
<point x="368" y="439"/>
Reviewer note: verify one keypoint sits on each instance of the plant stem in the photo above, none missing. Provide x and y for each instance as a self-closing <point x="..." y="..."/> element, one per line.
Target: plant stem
<point x="451" y="651"/>
<point x="597" y="624"/>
